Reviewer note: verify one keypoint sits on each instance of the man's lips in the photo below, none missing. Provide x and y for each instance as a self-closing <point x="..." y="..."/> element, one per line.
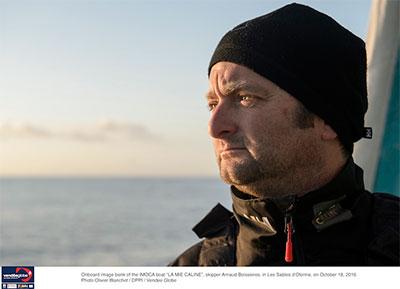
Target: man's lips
<point x="232" y="150"/>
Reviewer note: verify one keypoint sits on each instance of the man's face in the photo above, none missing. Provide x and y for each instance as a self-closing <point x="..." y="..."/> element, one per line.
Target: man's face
<point x="258" y="142"/>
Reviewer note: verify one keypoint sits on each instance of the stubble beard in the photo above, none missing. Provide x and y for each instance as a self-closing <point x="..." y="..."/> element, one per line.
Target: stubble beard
<point x="272" y="175"/>
<point x="259" y="178"/>
<point x="239" y="172"/>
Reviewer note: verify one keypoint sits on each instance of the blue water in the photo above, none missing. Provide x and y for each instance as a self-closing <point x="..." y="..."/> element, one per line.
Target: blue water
<point x="102" y="222"/>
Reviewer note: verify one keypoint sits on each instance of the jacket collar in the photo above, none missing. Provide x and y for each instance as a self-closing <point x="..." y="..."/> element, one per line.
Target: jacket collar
<point x="315" y="211"/>
<point x="343" y="187"/>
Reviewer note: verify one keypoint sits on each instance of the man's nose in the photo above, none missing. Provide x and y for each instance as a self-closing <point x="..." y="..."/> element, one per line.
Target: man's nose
<point x="222" y="122"/>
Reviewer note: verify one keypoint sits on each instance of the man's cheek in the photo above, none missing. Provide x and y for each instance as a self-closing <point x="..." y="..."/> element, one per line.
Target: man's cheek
<point x="217" y="145"/>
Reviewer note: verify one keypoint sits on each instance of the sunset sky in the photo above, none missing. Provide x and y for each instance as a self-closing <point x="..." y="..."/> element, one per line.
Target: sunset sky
<point x="117" y="87"/>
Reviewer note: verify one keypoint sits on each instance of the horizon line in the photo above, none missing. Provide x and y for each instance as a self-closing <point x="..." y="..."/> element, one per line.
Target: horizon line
<point x="108" y="176"/>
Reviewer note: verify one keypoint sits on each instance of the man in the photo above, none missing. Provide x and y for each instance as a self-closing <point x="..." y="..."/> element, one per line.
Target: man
<point x="287" y="97"/>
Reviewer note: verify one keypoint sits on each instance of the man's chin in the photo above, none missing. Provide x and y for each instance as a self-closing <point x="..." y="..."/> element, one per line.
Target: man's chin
<point x="239" y="176"/>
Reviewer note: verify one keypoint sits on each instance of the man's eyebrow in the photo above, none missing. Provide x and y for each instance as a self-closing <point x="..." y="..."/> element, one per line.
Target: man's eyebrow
<point x="229" y="89"/>
<point x="235" y="87"/>
<point x="209" y="95"/>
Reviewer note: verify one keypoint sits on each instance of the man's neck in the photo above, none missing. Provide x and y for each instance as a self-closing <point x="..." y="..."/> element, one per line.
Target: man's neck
<point x="297" y="184"/>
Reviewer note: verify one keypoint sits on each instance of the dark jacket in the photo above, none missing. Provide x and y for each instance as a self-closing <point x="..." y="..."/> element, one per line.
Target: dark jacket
<point x="339" y="224"/>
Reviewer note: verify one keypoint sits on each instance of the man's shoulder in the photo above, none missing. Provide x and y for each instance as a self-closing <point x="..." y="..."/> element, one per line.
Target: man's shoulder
<point x="385" y="207"/>
<point x="216" y="249"/>
<point x="385" y="230"/>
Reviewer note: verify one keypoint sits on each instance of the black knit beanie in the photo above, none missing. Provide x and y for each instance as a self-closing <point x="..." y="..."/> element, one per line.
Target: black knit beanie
<point x="312" y="57"/>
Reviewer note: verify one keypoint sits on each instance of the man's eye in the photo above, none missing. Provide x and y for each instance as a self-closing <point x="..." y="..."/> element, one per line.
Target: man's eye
<point x="247" y="101"/>
<point x="211" y="105"/>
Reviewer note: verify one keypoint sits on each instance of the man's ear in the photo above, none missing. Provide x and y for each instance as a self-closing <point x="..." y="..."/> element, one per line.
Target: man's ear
<point x="327" y="132"/>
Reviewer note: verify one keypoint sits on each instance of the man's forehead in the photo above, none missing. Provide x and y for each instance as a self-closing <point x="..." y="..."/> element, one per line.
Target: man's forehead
<point x="227" y="78"/>
<point x="230" y="72"/>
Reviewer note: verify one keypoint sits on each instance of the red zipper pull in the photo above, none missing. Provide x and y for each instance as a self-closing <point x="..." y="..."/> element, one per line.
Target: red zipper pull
<point x="289" y="244"/>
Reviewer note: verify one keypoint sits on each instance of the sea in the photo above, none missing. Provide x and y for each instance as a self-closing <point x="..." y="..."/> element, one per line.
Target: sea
<point x="102" y="221"/>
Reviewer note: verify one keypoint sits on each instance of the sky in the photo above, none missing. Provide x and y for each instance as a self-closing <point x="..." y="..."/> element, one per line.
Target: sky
<point x="116" y="88"/>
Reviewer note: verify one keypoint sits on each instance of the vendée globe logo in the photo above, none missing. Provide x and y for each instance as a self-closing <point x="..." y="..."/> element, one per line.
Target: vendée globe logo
<point x="17" y="274"/>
